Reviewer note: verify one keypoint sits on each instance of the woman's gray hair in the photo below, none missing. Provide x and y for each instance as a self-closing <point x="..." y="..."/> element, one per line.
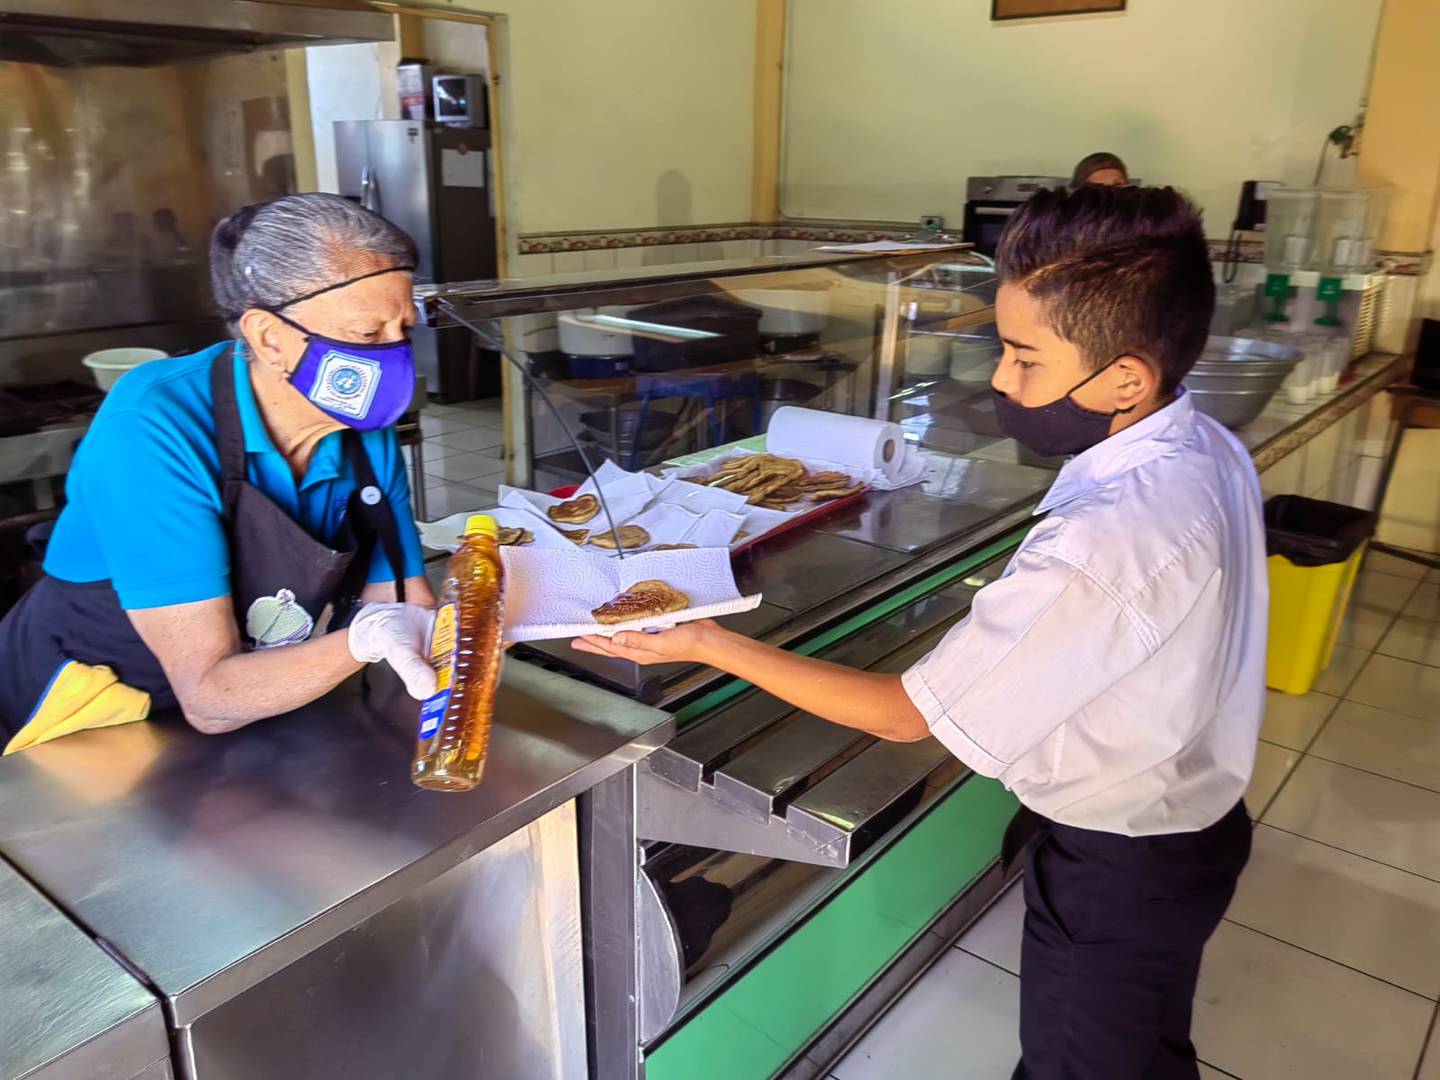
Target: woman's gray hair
<point x="270" y="254"/>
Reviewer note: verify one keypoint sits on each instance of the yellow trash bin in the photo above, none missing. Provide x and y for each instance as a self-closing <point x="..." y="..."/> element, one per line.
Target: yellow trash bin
<point x="1315" y="550"/>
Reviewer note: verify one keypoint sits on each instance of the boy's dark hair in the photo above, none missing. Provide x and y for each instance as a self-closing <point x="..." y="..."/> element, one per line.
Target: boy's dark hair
<point x="1118" y="270"/>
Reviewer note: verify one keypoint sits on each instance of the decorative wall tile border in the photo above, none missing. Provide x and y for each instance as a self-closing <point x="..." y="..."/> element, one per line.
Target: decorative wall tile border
<point x="818" y="231"/>
<point x="1249" y="251"/>
<point x="1406" y="263"/>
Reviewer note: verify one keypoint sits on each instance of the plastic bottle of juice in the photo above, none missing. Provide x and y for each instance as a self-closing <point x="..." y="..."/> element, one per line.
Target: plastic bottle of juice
<point x="465" y="649"/>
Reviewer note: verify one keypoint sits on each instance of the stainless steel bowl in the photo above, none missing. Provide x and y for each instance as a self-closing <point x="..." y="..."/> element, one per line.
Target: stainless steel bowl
<point x="1236" y="377"/>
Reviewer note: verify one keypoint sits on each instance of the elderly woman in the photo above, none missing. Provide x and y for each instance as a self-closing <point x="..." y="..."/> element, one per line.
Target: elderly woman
<point x="238" y="537"/>
<point x="1101" y="168"/>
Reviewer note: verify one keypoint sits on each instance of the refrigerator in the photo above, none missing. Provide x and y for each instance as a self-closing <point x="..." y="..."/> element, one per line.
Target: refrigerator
<point x="435" y="182"/>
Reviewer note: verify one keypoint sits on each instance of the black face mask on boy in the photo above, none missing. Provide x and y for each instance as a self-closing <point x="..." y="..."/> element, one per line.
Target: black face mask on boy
<point x="1059" y="428"/>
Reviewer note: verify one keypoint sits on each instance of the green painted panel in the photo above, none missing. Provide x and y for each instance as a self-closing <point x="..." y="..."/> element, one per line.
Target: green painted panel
<point x="700" y="457"/>
<point x="773" y="1011"/>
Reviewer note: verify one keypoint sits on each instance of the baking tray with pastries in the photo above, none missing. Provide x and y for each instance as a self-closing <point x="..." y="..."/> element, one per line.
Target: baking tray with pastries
<point x="776" y="493"/>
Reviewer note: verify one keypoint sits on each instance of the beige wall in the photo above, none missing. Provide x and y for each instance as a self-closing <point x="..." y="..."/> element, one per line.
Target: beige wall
<point x="347" y="82"/>
<point x="626" y="113"/>
<point x="455" y="46"/>
<point x="1402" y="136"/>
<point x="890" y="106"/>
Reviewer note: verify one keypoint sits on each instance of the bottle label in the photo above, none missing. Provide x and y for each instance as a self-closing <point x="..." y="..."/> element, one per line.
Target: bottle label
<point x="442" y="658"/>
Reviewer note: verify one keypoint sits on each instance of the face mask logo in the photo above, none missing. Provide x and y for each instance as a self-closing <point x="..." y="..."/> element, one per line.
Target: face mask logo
<point x="367" y="387"/>
<point x="346" y="384"/>
<point x="346" y="381"/>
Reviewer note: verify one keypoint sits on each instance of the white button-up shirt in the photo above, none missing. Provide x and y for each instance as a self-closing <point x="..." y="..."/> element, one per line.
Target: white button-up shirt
<point x="1114" y="676"/>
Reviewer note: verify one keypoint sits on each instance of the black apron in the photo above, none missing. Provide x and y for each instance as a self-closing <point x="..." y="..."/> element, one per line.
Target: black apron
<point x="282" y="579"/>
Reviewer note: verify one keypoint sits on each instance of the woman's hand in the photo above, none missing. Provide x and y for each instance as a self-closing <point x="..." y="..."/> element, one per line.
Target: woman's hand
<point x="399" y="634"/>
<point x="688" y="642"/>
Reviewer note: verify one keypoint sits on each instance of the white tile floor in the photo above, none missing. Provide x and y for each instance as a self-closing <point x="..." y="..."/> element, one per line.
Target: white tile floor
<point x="464" y="456"/>
<point x="1328" y="964"/>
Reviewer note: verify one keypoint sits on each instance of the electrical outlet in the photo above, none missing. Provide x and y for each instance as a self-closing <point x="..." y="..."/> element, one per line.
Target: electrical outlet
<point x="932" y="222"/>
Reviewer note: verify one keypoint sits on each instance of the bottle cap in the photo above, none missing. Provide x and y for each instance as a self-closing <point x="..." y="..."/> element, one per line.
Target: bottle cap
<point x="481" y="525"/>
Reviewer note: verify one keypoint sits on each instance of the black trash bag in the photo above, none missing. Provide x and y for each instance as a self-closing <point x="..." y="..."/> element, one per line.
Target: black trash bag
<point x="1310" y="532"/>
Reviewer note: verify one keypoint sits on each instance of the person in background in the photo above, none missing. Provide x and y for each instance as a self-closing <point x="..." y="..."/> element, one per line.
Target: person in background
<point x="1114" y="676"/>
<point x="1101" y="168"/>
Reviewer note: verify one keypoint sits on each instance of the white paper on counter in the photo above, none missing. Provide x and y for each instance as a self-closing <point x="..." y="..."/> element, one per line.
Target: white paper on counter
<point x="715" y="528"/>
<point x="551" y="593"/>
<point x="698" y="497"/>
<point x="757" y="522"/>
<point x="444" y="535"/>
<point x="665" y="522"/>
<point x="624" y="493"/>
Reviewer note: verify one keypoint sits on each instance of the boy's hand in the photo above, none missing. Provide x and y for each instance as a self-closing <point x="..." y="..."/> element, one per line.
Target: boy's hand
<point x="867" y="700"/>
<point x="685" y="643"/>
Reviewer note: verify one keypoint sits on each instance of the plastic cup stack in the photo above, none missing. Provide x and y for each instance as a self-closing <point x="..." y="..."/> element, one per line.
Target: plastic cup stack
<point x="1300" y="385"/>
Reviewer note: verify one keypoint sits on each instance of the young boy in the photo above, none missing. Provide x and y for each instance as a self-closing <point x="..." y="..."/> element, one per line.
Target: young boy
<point x="1113" y="677"/>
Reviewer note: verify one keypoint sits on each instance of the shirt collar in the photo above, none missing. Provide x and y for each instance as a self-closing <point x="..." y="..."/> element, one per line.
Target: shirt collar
<point x="1162" y="432"/>
<point x="324" y="464"/>
<point x="252" y="425"/>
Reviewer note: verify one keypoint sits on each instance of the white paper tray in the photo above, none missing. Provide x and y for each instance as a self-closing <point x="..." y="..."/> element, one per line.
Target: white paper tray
<point x="550" y="593"/>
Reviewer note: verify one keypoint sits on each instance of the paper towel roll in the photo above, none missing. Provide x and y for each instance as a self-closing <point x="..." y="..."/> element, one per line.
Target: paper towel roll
<point x="854" y="442"/>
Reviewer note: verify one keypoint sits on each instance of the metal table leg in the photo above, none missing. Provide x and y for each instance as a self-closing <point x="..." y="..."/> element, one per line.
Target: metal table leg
<point x="609" y="864"/>
<point x="418" y="498"/>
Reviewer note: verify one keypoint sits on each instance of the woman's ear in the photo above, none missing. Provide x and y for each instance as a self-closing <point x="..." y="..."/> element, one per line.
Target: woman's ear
<point x="1137" y="384"/>
<point x="271" y="342"/>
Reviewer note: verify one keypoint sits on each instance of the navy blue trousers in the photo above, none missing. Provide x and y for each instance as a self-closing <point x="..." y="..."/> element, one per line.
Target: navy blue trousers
<point x="1114" y="930"/>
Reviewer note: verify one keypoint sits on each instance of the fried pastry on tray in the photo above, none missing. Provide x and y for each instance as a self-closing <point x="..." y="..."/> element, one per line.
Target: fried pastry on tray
<point x="576" y="511"/>
<point x="824" y="480"/>
<point x="674" y="547"/>
<point x="827" y="494"/>
<point x="575" y="536"/>
<point x="631" y="536"/>
<point x="644" y="599"/>
<point x="777" y="483"/>
<point x="513" y="537"/>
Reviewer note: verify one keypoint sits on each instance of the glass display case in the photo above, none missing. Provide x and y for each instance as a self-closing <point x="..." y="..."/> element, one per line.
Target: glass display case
<point x="679" y="365"/>
<point x="651" y="367"/>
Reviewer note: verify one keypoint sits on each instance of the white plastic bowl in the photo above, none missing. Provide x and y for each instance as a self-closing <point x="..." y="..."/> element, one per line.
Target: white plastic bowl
<point x="107" y="365"/>
<point x="581" y="337"/>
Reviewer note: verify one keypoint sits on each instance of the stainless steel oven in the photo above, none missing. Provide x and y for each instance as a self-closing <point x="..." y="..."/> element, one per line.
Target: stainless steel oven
<point x="990" y="200"/>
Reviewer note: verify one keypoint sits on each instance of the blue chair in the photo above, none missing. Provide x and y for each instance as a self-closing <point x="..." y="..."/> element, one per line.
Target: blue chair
<point x="711" y="388"/>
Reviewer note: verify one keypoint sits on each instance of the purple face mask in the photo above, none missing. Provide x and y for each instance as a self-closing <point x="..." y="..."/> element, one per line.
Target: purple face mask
<point x="364" y="386"/>
<point x="1057" y="429"/>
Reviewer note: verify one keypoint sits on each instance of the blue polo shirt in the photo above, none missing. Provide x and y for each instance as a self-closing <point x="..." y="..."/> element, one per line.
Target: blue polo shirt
<point x="143" y="496"/>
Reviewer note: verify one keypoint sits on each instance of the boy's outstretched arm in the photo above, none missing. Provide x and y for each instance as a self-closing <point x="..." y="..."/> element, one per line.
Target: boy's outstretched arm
<point x="866" y="700"/>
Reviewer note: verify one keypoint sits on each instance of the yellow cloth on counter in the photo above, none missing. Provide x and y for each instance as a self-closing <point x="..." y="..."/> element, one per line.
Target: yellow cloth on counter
<point x="80" y="697"/>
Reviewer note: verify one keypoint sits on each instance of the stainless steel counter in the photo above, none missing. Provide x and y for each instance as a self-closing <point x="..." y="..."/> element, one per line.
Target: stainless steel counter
<point x="212" y="863"/>
<point x="67" y="1009"/>
<point x="297" y="848"/>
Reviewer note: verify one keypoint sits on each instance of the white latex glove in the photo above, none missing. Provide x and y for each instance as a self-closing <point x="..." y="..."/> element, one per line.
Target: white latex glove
<point x="399" y="634"/>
